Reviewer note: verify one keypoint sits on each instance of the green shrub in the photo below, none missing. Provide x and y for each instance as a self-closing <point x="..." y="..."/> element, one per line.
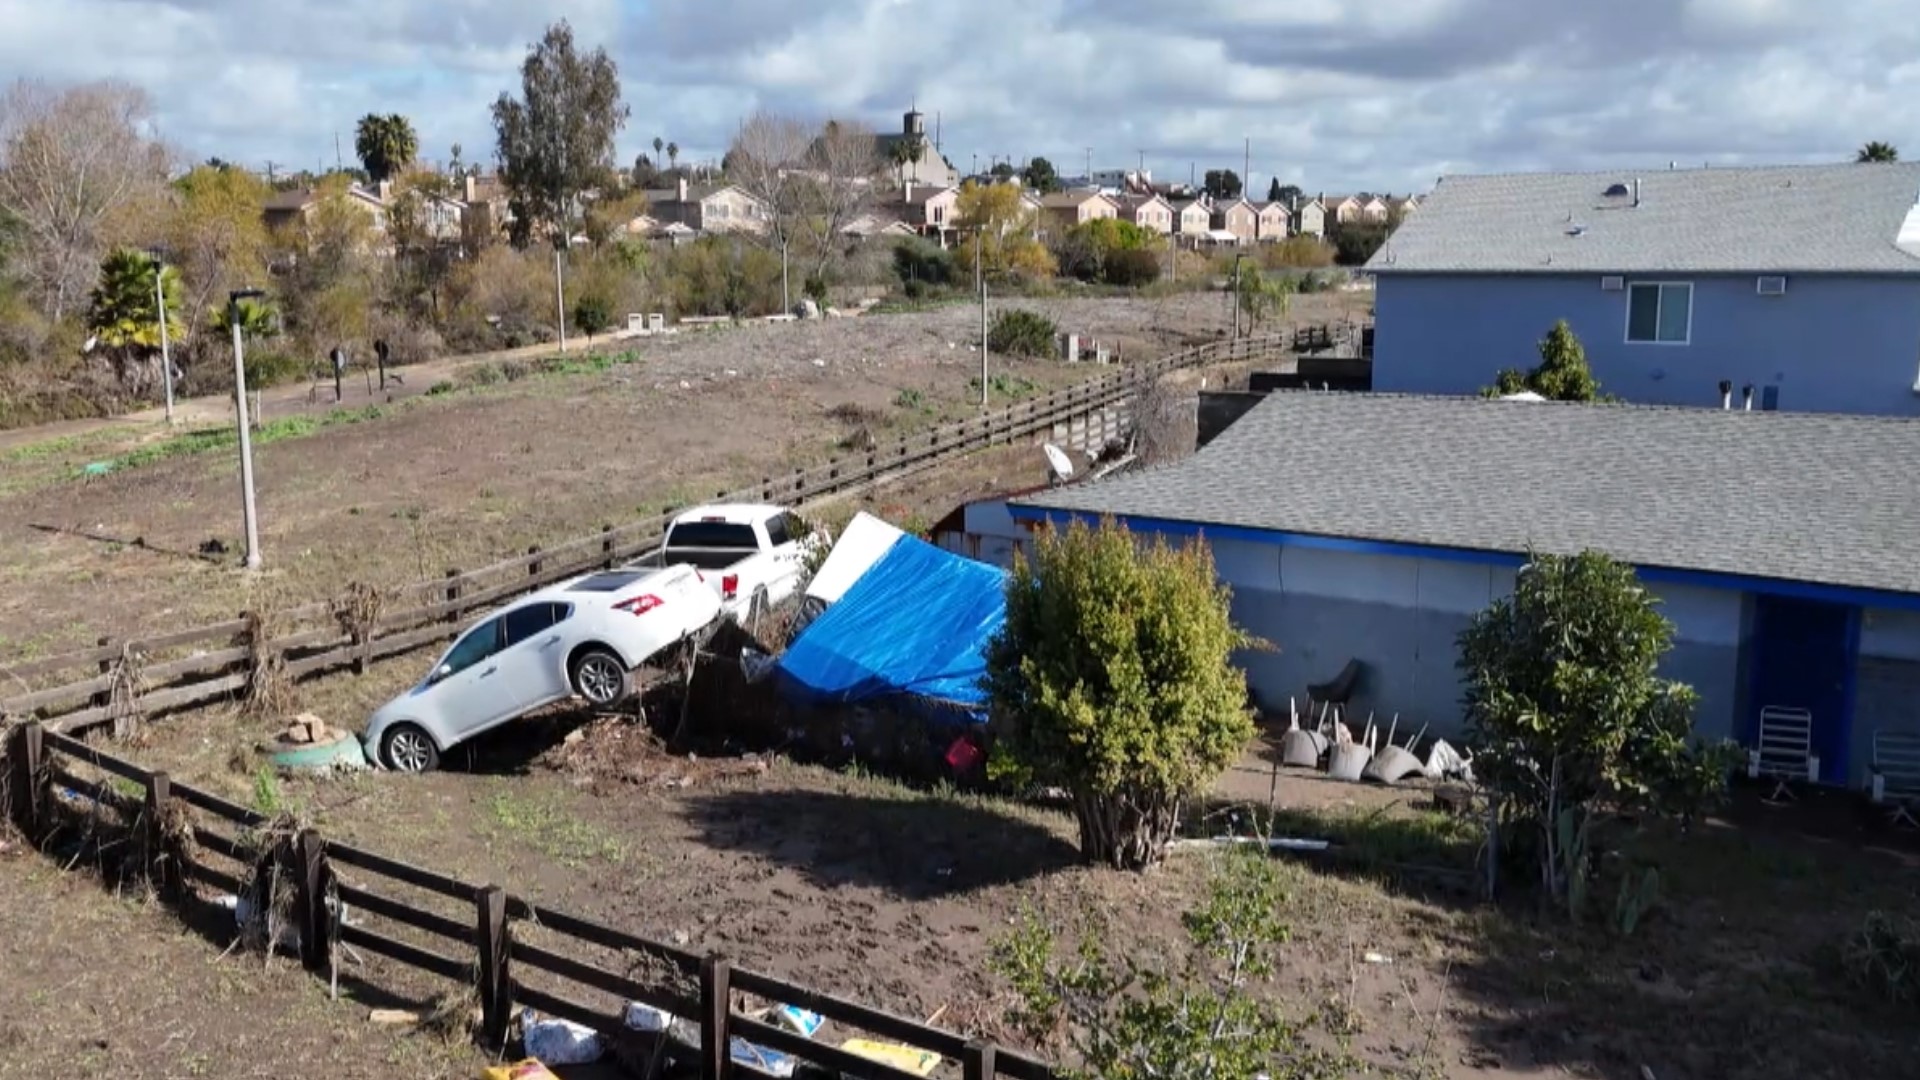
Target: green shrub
<point x="922" y="261"/>
<point x="1133" y="268"/>
<point x="1019" y="332"/>
<point x="593" y="314"/>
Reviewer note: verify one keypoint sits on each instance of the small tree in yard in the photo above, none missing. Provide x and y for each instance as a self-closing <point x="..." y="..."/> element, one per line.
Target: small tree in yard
<point x="1112" y="679"/>
<point x="592" y="314"/>
<point x="1568" y="714"/>
<point x="1128" y="1020"/>
<point x="1018" y="332"/>
<point x="1563" y="374"/>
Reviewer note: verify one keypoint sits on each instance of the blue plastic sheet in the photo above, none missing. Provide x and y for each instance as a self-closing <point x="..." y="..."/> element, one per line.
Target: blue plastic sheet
<point x="916" y="624"/>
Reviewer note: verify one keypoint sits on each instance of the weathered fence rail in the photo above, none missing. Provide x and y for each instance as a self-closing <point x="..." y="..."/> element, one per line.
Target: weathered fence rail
<point x="183" y="668"/>
<point x="510" y="951"/>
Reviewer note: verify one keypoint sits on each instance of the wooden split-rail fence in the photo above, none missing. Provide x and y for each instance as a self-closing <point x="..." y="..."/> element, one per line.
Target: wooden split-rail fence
<point x="124" y="681"/>
<point x="333" y="899"/>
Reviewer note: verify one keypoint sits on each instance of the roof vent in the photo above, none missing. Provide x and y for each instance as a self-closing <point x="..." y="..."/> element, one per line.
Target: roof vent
<point x="1618" y="191"/>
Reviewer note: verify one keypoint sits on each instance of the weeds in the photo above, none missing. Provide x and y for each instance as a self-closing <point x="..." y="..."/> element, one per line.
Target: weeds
<point x="1884" y="956"/>
<point x="549" y="829"/>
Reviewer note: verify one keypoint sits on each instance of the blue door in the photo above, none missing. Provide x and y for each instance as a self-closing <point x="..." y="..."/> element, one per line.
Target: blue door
<point x="1803" y="658"/>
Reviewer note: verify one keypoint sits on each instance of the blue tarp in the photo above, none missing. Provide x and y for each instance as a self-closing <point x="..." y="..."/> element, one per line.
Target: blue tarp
<point x="916" y="624"/>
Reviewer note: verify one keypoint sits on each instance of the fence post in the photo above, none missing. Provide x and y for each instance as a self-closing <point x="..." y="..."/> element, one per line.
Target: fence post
<point x="534" y="564"/>
<point x="105" y="697"/>
<point x="606" y="547"/>
<point x="766" y="489"/>
<point x="310" y="898"/>
<point x="715" y="1010"/>
<point x="27" y="756"/>
<point x="495" y="986"/>
<point x="976" y="1061"/>
<point x="453" y="595"/>
<point x="162" y="861"/>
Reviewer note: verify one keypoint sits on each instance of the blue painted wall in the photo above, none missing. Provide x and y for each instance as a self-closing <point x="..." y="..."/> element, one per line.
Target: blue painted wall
<point x="1831" y="344"/>
<point x="1402" y="618"/>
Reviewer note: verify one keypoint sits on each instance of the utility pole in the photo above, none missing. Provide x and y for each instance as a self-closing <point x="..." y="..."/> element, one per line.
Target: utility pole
<point x="1236" y="295"/>
<point x="339" y="164"/>
<point x="247" y="509"/>
<point x="980" y="281"/>
<point x="1246" y="168"/>
<point x="560" y="293"/>
<point x="1089" y="166"/>
<point x="166" y="355"/>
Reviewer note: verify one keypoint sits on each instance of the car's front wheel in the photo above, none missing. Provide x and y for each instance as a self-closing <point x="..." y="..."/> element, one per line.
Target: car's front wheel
<point x="408" y="748"/>
<point x="600" y="678"/>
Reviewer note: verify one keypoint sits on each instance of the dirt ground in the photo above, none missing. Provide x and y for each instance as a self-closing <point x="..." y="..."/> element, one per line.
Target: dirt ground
<point x="893" y="895"/>
<point x="467" y="477"/>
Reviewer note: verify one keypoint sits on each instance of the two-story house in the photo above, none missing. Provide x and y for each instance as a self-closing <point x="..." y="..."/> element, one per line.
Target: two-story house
<point x="1192" y="220"/>
<point x="1802" y="282"/>
<point x="1065" y="209"/>
<point x="707" y="207"/>
<point x="1150" y="212"/>
<point x="1270" y="222"/>
<point x="929" y="210"/>
<point x="1310" y="218"/>
<point x="1236" y="216"/>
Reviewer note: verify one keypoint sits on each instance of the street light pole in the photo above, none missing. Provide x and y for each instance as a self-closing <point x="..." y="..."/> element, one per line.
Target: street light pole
<point x="560" y="297"/>
<point x="1236" y="295"/>
<point x="166" y="355"/>
<point x="246" y="437"/>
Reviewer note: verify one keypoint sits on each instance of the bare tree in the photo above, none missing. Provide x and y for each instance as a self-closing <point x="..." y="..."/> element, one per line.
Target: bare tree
<point x="71" y="162"/>
<point x="844" y="162"/>
<point x="768" y="162"/>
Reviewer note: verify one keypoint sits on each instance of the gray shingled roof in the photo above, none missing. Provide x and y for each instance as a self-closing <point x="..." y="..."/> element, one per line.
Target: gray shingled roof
<point x="1794" y="496"/>
<point x="1782" y="219"/>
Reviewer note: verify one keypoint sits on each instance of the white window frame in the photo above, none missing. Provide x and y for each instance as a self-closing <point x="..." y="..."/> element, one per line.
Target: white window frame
<point x="1627" y="329"/>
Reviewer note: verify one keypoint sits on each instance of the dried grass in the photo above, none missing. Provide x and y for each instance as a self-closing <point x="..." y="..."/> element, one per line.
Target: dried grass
<point x="356" y="611"/>
<point x="269" y="691"/>
<point x="126" y="680"/>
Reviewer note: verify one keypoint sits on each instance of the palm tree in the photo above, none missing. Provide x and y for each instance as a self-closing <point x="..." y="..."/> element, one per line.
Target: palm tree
<point x="1877" y="151"/>
<point x="257" y="319"/>
<point x="386" y="145"/>
<point x="659" y="147"/>
<point x="121" y="315"/>
<point x="673" y="156"/>
<point x="905" y="151"/>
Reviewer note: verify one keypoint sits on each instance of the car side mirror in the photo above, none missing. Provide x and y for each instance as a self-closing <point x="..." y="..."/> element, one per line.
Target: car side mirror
<point x="441" y="672"/>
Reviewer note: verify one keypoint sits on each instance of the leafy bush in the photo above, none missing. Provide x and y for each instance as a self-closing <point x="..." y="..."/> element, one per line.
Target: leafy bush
<point x="924" y="262"/>
<point x="1132" y="268"/>
<point x="1562" y="375"/>
<point x="1126" y="1019"/>
<point x="1113" y="678"/>
<point x="1018" y="332"/>
<point x="593" y="314"/>
<point x="1566" y="711"/>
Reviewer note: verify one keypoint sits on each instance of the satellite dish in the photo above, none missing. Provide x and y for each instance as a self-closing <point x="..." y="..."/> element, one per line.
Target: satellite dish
<point x="1058" y="461"/>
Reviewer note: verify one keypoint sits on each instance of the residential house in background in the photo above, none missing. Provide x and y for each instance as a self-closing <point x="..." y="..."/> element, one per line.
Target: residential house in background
<point x="1399" y="209"/>
<point x="928" y="167"/>
<point x="1150" y="212"/>
<point x="1801" y="282"/>
<point x="929" y="210"/>
<point x="1237" y="217"/>
<point x="707" y="207"/>
<point x="1065" y="209"/>
<point x="1193" y="221"/>
<point x="295" y="209"/>
<point x="878" y="223"/>
<point x="1310" y="218"/>
<point x="1785" y="566"/>
<point x="1270" y="220"/>
<point x="487" y="214"/>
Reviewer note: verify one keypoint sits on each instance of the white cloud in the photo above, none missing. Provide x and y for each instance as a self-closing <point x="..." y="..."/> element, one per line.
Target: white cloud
<point x="1334" y="94"/>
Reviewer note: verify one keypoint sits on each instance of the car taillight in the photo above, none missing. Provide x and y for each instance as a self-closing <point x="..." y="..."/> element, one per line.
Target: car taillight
<point x="639" y="605"/>
<point x="730" y="585"/>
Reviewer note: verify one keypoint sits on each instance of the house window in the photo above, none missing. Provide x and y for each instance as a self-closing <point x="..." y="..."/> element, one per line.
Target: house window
<point x="719" y="211"/>
<point x="939" y="216"/>
<point x="1659" y="313"/>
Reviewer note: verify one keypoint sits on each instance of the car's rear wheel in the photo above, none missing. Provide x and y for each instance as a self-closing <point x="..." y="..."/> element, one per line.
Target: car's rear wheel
<point x="408" y="748"/>
<point x="599" y="677"/>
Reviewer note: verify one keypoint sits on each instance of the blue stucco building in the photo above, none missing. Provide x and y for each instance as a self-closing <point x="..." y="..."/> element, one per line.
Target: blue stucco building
<point x="1374" y="526"/>
<point x="1802" y="282"/>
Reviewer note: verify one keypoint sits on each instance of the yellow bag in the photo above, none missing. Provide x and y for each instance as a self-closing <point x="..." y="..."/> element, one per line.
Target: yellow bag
<point x="529" y="1069"/>
<point x="907" y="1058"/>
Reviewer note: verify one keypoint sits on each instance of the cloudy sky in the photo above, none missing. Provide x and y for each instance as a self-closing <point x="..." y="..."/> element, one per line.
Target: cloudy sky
<point x="1334" y="94"/>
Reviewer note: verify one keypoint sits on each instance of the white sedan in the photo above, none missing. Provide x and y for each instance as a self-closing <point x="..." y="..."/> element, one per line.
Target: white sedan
<point x="580" y="637"/>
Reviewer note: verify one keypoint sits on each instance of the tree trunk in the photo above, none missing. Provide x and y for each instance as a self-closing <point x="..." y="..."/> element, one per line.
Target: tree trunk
<point x="1125" y="830"/>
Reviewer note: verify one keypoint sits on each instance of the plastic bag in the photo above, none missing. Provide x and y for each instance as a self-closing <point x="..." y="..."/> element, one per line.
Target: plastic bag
<point x="641" y="1017"/>
<point x="798" y="1020"/>
<point x="771" y="1062"/>
<point x="559" y="1042"/>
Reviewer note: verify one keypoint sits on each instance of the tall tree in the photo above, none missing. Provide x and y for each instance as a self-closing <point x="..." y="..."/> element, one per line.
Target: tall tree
<point x="1287" y="193"/>
<point x="1041" y="176"/>
<point x="659" y="146"/>
<point x="673" y="156"/>
<point x="73" y="163"/>
<point x="124" y="318"/>
<point x="843" y="168"/>
<point x="1223" y="183"/>
<point x="556" y="142"/>
<point x="1273" y="191"/>
<point x="386" y="145"/>
<point x="1877" y="152"/>
<point x="217" y="236"/>
<point x="766" y="161"/>
<point x="994" y="218"/>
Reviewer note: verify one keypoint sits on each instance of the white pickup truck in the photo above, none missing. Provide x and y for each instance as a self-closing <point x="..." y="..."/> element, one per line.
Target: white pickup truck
<point x="752" y="555"/>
